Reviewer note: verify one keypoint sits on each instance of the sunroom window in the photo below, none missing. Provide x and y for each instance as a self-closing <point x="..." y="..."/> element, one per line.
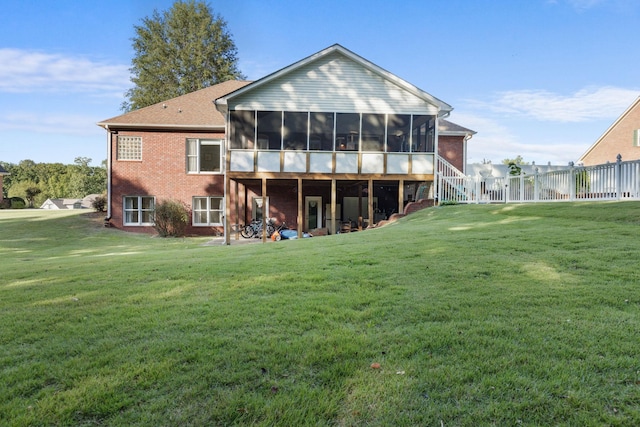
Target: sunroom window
<point x="139" y="210"/>
<point x="295" y="130"/>
<point x="242" y="129"/>
<point x="204" y="156"/>
<point x="347" y="131"/>
<point x="373" y="126"/>
<point x="398" y="133"/>
<point x="423" y="134"/>
<point x="321" y="131"/>
<point x="207" y="211"/>
<point x="269" y="130"/>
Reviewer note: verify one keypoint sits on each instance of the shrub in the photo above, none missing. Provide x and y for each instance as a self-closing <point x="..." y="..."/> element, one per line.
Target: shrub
<point x="18" y="203"/>
<point x="99" y="203"/>
<point x="171" y="218"/>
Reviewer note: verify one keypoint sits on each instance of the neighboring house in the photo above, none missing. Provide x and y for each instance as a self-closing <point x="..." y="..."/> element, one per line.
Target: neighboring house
<point x="330" y="138"/>
<point x="87" y="201"/>
<point x="84" y="203"/>
<point x="3" y="172"/>
<point x="622" y="137"/>
<point x="62" y="204"/>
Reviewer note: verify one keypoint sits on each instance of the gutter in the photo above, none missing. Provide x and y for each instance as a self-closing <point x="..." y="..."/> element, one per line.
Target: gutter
<point x="135" y="126"/>
<point x="108" y="217"/>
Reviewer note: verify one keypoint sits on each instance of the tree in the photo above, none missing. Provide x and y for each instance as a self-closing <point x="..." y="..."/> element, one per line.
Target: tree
<point x="514" y="165"/>
<point x="31" y="194"/>
<point x="517" y="161"/>
<point x="180" y="51"/>
<point x="55" y="180"/>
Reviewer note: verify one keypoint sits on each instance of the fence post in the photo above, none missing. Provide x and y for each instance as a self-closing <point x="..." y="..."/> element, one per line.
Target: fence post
<point x="478" y="188"/>
<point x="572" y="182"/>
<point x="507" y="195"/>
<point x="521" y="186"/>
<point x="618" y="176"/>
<point x="536" y="185"/>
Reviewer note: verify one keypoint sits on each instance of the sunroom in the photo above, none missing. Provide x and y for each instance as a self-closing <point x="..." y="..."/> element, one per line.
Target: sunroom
<point x="330" y="138"/>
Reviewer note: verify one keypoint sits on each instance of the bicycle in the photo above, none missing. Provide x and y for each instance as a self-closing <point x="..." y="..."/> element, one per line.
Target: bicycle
<point x="254" y="229"/>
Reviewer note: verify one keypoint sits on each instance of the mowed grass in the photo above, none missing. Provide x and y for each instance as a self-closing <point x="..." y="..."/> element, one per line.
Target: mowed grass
<point x="478" y="315"/>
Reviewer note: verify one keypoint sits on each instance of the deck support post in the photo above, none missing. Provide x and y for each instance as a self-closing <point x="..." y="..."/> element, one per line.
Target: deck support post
<point x="300" y="209"/>
<point x="370" y="207"/>
<point x="265" y="212"/>
<point x="332" y="226"/>
<point x="401" y="196"/>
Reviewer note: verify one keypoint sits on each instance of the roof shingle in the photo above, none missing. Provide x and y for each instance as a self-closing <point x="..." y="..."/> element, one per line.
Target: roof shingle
<point x="193" y="110"/>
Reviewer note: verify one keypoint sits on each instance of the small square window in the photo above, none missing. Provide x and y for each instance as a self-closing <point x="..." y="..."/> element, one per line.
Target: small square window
<point x="129" y="148"/>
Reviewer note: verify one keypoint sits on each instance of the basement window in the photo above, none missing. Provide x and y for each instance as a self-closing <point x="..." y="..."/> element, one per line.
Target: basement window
<point x="207" y="211"/>
<point x="139" y="210"/>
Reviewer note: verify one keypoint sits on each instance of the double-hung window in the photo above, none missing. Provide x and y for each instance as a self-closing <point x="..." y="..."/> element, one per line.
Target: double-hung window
<point x="207" y="211"/>
<point x="139" y="210"/>
<point x="204" y="156"/>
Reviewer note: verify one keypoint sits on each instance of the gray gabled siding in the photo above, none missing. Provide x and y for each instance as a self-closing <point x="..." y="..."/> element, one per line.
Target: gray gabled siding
<point x="333" y="83"/>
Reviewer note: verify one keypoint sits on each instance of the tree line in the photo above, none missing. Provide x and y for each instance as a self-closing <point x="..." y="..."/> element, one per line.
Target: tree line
<point x="177" y="51"/>
<point x="36" y="182"/>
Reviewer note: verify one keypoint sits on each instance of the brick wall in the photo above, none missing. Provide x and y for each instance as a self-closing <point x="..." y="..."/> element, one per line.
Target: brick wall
<point x="619" y="140"/>
<point x="451" y="148"/>
<point x="161" y="173"/>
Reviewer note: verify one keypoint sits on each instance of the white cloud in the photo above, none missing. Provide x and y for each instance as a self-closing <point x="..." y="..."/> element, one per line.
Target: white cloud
<point x="28" y="71"/>
<point x="584" y="105"/>
<point x="68" y="124"/>
<point x="496" y="141"/>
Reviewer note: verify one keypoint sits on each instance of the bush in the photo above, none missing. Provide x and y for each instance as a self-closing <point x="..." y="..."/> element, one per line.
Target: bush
<point x="17" y="203"/>
<point x="171" y="218"/>
<point x="99" y="203"/>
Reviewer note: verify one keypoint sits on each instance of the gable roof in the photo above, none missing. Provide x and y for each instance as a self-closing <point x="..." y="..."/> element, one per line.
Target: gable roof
<point x="443" y="107"/>
<point x="191" y="111"/>
<point x="3" y="171"/>
<point x="447" y="128"/>
<point x="633" y="106"/>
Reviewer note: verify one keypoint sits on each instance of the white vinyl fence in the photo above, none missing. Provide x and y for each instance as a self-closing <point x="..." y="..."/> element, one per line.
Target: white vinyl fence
<point x="610" y="181"/>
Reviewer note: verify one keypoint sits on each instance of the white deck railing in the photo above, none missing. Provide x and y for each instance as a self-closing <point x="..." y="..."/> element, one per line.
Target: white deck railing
<point x="610" y="181"/>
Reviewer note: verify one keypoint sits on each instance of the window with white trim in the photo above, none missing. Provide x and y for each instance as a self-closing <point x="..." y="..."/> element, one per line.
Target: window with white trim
<point x="139" y="210"/>
<point x="204" y="156"/>
<point x="129" y="147"/>
<point x="207" y="211"/>
<point x="636" y="138"/>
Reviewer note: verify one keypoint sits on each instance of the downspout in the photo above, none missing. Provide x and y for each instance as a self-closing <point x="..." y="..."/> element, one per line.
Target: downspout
<point x="467" y="137"/>
<point x="227" y="185"/>
<point x="436" y="162"/>
<point x="108" y="217"/>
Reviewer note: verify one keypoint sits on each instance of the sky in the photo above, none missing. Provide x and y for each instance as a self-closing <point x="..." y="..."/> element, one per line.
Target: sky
<point x="541" y="79"/>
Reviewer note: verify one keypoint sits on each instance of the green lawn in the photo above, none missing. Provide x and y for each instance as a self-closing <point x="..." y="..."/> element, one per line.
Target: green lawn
<point x="478" y="315"/>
